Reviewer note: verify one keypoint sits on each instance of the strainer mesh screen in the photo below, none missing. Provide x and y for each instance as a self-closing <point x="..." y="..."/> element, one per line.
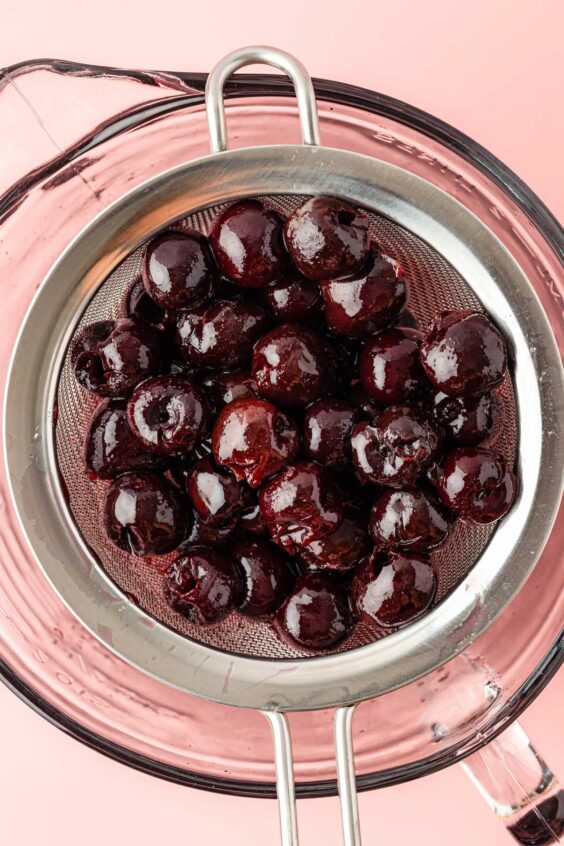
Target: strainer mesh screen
<point x="434" y="285"/>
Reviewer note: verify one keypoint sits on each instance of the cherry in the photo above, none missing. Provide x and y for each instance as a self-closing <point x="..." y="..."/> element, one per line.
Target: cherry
<point x="407" y="320"/>
<point x="327" y="429"/>
<point x="248" y="243"/>
<point x="203" y="585"/>
<point x="216" y="494"/>
<point x="137" y="305"/>
<point x="111" y="447"/>
<point x="178" y="269"/>
<point x="465" y="420"/>
<point x="410" y="519"/>
<point x="390" y="369"/>
<point x="327" y="238"/>
<point x="226" y="387"/>
<point x="268" y="576"/>
<point x="343" y="549"/>
<point x="394" y="588"/>
<point x="295" y="299"/>
<point x="476" y="484"/>
<point x="208" y="534"/>
<point x="317" y="614"/>
<point x="464" y="353"/>
<point x="251" y="519"/>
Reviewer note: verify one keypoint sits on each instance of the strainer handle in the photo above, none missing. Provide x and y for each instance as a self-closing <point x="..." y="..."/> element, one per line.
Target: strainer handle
<point x="305" y="94"/>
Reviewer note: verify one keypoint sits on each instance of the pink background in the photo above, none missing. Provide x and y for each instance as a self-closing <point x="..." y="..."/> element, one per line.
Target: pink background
<point x="493" y="68"/>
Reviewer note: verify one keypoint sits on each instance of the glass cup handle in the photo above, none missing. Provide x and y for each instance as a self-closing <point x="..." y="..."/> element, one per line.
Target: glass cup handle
<point x="520" y="788"/>
<point x="217" y="78"/>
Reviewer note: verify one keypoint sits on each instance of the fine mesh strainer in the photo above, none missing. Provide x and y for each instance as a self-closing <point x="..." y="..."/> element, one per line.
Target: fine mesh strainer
<point x="452" y="260"/>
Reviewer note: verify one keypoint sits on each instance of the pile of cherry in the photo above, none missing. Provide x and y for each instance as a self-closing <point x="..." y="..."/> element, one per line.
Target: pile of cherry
<point x="275" y="416"/>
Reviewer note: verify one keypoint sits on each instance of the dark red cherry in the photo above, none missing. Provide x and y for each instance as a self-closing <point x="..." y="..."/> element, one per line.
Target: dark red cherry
<point x="368" y="407"/>
<point x="301" y="505"/>
<point x="464" y="353"/>
<point x="111" y="448"/>
<point x="293" y="366"/>
<point x="208" y="534"/>
<point x="327" y="238"/>
<point x="145" y="514"/>
<point x="216" y="494"/>
<point x="411" y="519"/>
<point x="109" y="358"/>
<point x="169" y="414"/>
<point x="178" y="269"/>
<point x="390" y="369"/>
<point x="317" y="614"/>
<point x="295" y="299"/>
<point x="226" y="387"/>
<point x="251" y="520"/>
<point x="267" y="573"/>
<point x="248" y="244"/>
<point x="397" y="448"/>
<point x="394" y="588"/>
<point x="476" y="484"/>
<point x="327" y="429"/>
<point x="465" y="421"/>
<point x="136" y="304"/>
<point x="366" y="302"/>
<point x="343" y="549"/>
<point x="253" y="439"/>
<point x="203" y="585"/>
<point x="220" y="335"/>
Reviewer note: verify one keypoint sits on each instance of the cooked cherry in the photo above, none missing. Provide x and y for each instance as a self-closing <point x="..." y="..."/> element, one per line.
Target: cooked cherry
<point x="178" y="269"/>
<point x="253" y="439"/>
<point x="111" y="448"/>
<point x="220" y="335"/>
<point x="203" y="585"/>
<point x="145" y="514"/>
<point x="343" y="549"/>
<point x="138" y="305"/>
<point x="327" y="429"/>
<point x="317" y="614"/>
<point x="267" y="572"/>
<point x="169" y="414"/>
<point x="109" y="358"/>
<point x="248" y="243"/>
<point x="226" y="387"/>
<point x="366" y="302"/>
<point x="293" y="366"/>
<point x="216" y="494"/>
<point x="465" y="420"/>
<point x="412" y="520"/>
<point x="366" y="405"/>
<point x="250" y="519"/>
<point x="327" y="238"/>
<point x="295" y="299"/>
<point x="301" y="505"/>
<point x="396" y="448"/>
<point x="464" y="353"/>
<point x="390" y="369"/>
<point x="394" y="588"/>
<point x="476" y="484"/>
<point x="209" y="534"/>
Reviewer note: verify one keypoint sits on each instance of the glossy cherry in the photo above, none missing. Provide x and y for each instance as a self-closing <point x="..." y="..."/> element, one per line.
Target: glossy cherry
<point x="178" y="269"/>
<point x="397" y="448"/>
<point x="251" y="520"/>
<point x="111" y="448"/>
<point x="203" y="585"/>
<point x="464" y="353"/>
<point x="394" y="588"/>
<point x="465" y="421"/>
<point x="226" y="387"/>
<point x="295" y="299"/>
<point x="327" y="238"/>
<point x="293" y="366"/>
<point x="390" y="369"/>
<point x="208" y="534"/>
<point x="317" y="614"/>
<point x="327" y="430"/>
<point x="136" y="304"/>
<point x="476" y="484"/>
<point x="216" y="494"/>
<point x="343" y="549"/>
<point x="145" y="514"/>
<point x="267" y="572"/>
<point x="409" y="519"/>
<point x="248" y="243"/>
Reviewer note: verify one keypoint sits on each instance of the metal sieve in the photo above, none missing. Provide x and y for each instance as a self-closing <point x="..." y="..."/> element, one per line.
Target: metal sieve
<point x="452" y="261"/>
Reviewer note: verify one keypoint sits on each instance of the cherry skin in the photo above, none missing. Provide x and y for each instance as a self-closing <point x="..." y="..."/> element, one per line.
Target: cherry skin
<point x="203" y="585"/>
<point x="343" y="549"/>
<point x="464" y="353"/>
<point x="317" y="614"/>
<point x="253" y="439"/>
<point x="327" y="238"/>
<point x="136" y="304"/>
<point x="465" y="421"/>
<point x="216" y="494"/>
<point x="327" y="429"/>
<point x="366" y="302"/>
<point x="394" y="588"/>
<point x="397" y="448"/>
<point x="295" y="299"/>
<point x="267" y="573"/>
<point x="226" y="387"/>
<point x="109" y="358"/>
<point x="220" y="335"/>
<point x="301" y="505"/>
<point x="169" y="414"/>
<point x="476" y="484"/>
<point x="248" y="244"/>
<point x="293" y="366"/>
<point x="208" y="534"/>
<point x="409" y="519"/>
<point x="178" y="269"/>
<point x="145" y="514"/>
<point x="111" y="448"/>
<point x="390" y="369"/>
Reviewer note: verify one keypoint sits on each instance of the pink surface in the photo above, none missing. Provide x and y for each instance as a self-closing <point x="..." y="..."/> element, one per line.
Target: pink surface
<point x="492" y="70"/>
